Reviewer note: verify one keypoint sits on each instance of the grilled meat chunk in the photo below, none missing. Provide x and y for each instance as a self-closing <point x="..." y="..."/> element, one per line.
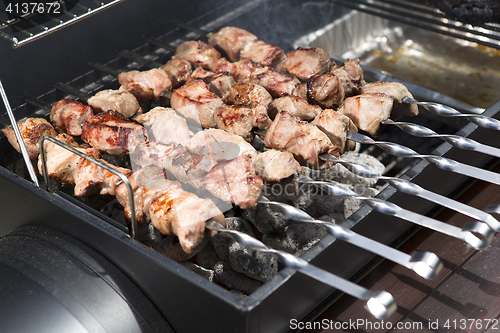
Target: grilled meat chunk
<point x="181" y="213"/>
<point x="277" y="83"/>
<point x="234" y="181"/>
<point x="305" y="141"/>
<point x="274" y="165"/>
<point x="220" y="83"/>
<point x="165" y="126"/>
<point x="148" y="184"/>
<point x="112" y="133"/>
<point x="295" y="106"/>
<point x="150" y="153"/>
<point x="263" y="53"/>
<point x="246" y="93"/>
<point x="195" y="96"/>
<point x="325" y="90"/>
<point x="219" y="145"/>
<point x="231" y="40"/>
<point x="68" y="116"/>
<point x="179" y="71"/>
<point x="120" y="101"/>
<point x="335" y="126"/>
<point x="240" y="70"/>
<point x="60" y="162"/>
<point x="91" y="179"/>
<point x="241" y="119"/>
<point x="367" y="111"/>
<point x="397" y="91"/>
<point x="201" y="73"/>
<point x="198" y="53"/>
<point x="306" y="62"/>
<point x="148" y="87"/>
<point x="32" y="129"/>
<point x="350" y="75"/>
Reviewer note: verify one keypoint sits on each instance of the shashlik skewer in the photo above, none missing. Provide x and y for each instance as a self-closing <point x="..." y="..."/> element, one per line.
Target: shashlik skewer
<point x="380" y="304"/>
<point x="407" y="187"/>
<point x="425" y="264"/>
<point x="468" y="233"/>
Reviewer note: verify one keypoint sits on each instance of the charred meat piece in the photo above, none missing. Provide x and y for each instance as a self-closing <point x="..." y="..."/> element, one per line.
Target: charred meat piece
<point x="306" y="62"/>
<point x="325" y="90"/>
<point x="231" y="40"/>
<point x="148" y="184"/>
<point x="274" y="165"/>
<point x="240" y="70"/>
<point x="68" y="116"/>
<point x="148" y="87"/>
<point x="120" y="101"/>
<point x="112" y="133"/>
<point x="336" y="125"/>
<point x="32" y="129"/>
<point x="179" y="71"/>
<point x="246" y="93"/>
<point x="219" y="83"/>
<point x="304" y="140"/>
<point x="181" y="213"/>
<point x="234" y="181"/>
<point x="367" y="111"/>
<point x="195" y="96"/>
<point x="165" y="126"/>
<point x="277" y="83"/>
<point x="219" y="145"/>
<point x="197" y="53"/>
<point x="263" y="53"/>
<point x="295" y="106"/>
<point x="397" y="91"/>
<point x="60" y="162"/>
<point x="241" y="119"/>
<point x="90" y="179"/>
<point x="351" y="76"/>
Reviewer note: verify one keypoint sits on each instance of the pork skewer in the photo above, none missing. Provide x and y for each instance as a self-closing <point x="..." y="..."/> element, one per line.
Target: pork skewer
<point x="455" y="140"/>
<point x="380" y="304"/>
<point x="467" y="233"/>
<point x="405" y="186"/>
<point x="438" y="161"/>
<point x="425" y="264"/>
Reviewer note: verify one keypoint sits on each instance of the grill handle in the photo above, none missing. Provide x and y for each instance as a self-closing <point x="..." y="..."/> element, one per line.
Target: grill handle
<point x="133" y="222"/>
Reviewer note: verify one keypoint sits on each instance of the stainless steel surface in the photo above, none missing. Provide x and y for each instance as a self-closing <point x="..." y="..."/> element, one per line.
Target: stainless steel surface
<point x="425" y="264"/>
<point x="477" y="234"/>
<point x="379" y="303"/>
<point x="19" y="137"/>
<point x="455" y="140"/>
<point x="30" y="21"/>
<point x="133" y="223"/>
<point x="407" y="187"/>
<point x="438" y="161"/>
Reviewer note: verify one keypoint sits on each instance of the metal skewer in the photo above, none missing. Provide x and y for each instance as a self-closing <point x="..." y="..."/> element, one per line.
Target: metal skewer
<point x="425" y="264"/>
<point x="446" y="111"/>
<point x="469" y="232"/>
<point x="455" y="140"/>
<point x="19" y="137"/>
<point x="438" y="161"/>
<point x="407" y="187"/>
<point x="380" y="304"/>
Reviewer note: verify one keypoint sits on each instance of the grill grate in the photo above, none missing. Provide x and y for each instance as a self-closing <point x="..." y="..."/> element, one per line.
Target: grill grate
<point x="425" y="17"/>
<point x="21" y="23"/>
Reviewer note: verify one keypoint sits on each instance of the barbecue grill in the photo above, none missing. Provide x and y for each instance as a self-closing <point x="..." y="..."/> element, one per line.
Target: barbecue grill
<point x="78" y="54"/>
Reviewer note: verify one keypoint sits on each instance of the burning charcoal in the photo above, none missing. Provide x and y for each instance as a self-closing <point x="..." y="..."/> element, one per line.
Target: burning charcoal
<point x="352" y="205"/>
<point x="206" y="273"/>
<point x="305" y="233"/>
<point x="225" y="275"/>
<point x="280" y="242"/>
<point x="221" y="241"/>
<point x="318" y="205"/>
<point x="267" y="220"/>
<point x="207" y="257"/>
<point x="171" y="248"/>
<point x="255" y="264"/>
